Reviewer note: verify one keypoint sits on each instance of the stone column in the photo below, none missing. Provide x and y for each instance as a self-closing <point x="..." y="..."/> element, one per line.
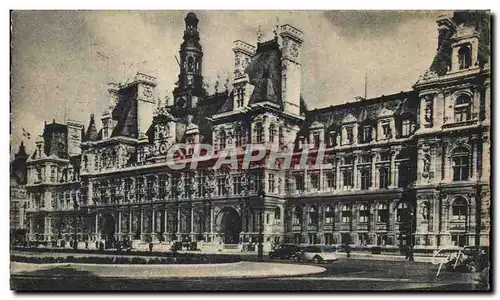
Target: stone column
<point x="212" y="223"/>
<point x="355" y="173"/>
<point x="130" y="233"/>
<point x="165" y="222"/>
<point x="96" y="225"/>
<point x="32" y="229"/>
<point x="192" y="223"/>
<point x="393" y="182"/>
<point x="153" y="225"/>
<point x="374" y="172"/>
<point x="337" y="174"/>
<point x="485" y="159"/>
<point x="474" y="174"/>
<point x="119" y="224"/>
<point x="142" y="223"/>
<point x="178" y="220"/>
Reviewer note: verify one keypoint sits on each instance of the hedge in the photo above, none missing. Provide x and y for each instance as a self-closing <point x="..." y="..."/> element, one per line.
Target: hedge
<point x="179" y="259"/>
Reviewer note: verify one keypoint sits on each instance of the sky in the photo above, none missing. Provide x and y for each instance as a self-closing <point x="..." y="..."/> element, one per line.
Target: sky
<point x="62" y="61"/>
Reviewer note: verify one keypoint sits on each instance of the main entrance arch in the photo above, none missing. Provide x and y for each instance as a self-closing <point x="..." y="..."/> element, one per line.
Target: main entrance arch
<point x="229" y="225"/>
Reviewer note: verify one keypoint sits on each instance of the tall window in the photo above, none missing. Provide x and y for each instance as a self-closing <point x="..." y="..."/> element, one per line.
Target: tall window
<point x="315" y="181"/>
<point x="259" y="133"/>
<point x="460" y="164"/>
<point x="222" y="140"/>
<point x="367" y="133"/>
<point x="105" y="128"/>
<point x="366" y="179"/>
<point x="329" y="214"/>
<point x="348" y="180"/>
<point x="299" y="183"/>
<point x="464" y="57"/>
<point x="462" y="108"/>
<point x="364" y="213"/>
<point x="459" y="210"/>
<point x="316" y="140"/>
<point x="346" y="214"/>
<point x="297" y="215"/>
<point x="382" y="213"/>
<point x="237" y="185"/>
<point x="404" y="177"/>
<point x="201" y="185"/>
<point x="239" y="97"/>
<point x="272" y="133"/>
<point x="386" y="129"/>
<point x="384" y="177"/>
<point x="238" y="137"/>
<point x="405" y="128"/>
<point x="313" y="215"/>
<point x="271" y="182"/>
<point x="331" y="180"/>
<point x="221" y="186"/>
<point x="277" y="214"/>
<point x="53" y="174"/>
<point x="349" y="135"/>
<point x="403" y="213"/>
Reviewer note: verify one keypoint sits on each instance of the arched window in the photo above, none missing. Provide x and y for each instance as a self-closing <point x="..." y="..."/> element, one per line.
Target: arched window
<point x="346" y="214"/>
<point x="297" y="215"/>
<point x="259" y="133"/>
<point x="404" y="212"/>
<point x="329" y="215"/>
<point x="382" y="213"/>
<point x="190" y="64"/>
<point x="272" y="133"/>
<point x="459" y="209"/>
<point x="222" y="140"/>
<point x="313" y="215"/>
<point x="464" y="57"/>
<point x="364" y="213"/>
<point x="277" y="213"/>
<point x="462" y="108"/>
<point x="460" y="164"/>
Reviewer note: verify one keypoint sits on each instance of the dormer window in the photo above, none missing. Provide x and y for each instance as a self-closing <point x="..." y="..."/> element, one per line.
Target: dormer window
<point x="316" y="140"/>
<point x="259" y="133"/>
<point x="349" y="135"/>
<point x="462" y="108"/>
<point x="105" y="129"/>
<point x="464" y="57"/>
<point x="367" y="133"/>
<point x="239" y="97"/>
<point x="222" y="140"/>
<point x="386" y="129"/>
<point x="405" y="128"/>
<point x="272" y="133"/>
<point x="238" y="137"/>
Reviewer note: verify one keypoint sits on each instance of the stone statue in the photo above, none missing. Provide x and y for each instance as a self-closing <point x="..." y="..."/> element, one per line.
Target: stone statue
<point x="338" y="139"/>
<point x="374" y="133"/>
<point x="425" y="211"/>
<point x="427" y="163"/>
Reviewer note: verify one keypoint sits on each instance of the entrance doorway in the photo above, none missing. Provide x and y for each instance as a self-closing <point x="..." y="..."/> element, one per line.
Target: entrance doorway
<point x="230" y="225"/>
<point x="108" y="229"/>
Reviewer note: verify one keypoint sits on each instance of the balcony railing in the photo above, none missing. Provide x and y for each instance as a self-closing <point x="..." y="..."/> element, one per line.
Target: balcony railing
<point x="362" y="226"/>
<point x="296" y="227"/>
<point x="461" y="225"/>
<point x="312" y="227"/>
<point x="327" y="227"/>
<point x="381" y="227"/>
<point x="345" y="227"/>
<point x="460" y="124"/>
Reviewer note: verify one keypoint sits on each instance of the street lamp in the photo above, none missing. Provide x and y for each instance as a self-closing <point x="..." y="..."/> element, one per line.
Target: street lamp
<point x="260" y="247"/>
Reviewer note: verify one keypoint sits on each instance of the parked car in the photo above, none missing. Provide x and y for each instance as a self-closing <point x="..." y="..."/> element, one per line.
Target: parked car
<point x="284" y="251"/>
<point x="317" y="254"/>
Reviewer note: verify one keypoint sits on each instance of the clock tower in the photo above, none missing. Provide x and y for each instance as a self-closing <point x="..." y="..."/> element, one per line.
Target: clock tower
<point x="190" y="81"/>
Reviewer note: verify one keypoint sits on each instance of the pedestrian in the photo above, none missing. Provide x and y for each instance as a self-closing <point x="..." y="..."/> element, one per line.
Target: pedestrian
<point x="150" y="246"/>
<point x="410" y="254"/>
<point x="348" y="250"/>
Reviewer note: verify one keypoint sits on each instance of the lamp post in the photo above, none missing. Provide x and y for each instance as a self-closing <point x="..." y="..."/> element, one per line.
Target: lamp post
<point x="260" y="247"/>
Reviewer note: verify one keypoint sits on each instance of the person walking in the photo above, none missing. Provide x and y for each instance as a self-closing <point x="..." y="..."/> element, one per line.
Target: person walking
<point x="410" y="253"/>
<point x="347" y="250"/>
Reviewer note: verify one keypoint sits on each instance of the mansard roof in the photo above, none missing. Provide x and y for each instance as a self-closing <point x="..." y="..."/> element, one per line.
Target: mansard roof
<point x="264" y="73"/>
<point x="401" y="104"/>
<point x="91" y="134"/>
<point x="125" y="113"/>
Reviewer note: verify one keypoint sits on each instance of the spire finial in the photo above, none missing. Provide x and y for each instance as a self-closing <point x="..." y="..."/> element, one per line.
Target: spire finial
<point x="276" y="27"/>
<point x="259" y="35"/>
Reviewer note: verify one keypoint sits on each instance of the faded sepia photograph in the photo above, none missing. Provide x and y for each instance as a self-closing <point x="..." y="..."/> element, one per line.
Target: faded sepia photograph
<point x="250" y="150"/>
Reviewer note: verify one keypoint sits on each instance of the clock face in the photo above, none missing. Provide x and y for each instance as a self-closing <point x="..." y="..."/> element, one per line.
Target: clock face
<point x="60" y="146"/>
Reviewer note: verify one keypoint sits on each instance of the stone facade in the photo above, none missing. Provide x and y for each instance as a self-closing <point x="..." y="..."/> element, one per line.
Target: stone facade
<point x="411" y="167"/>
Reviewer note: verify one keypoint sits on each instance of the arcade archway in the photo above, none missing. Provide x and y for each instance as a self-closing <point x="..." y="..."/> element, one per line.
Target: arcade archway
<point x="108" y="228"/>
<point x="229" y="223"/>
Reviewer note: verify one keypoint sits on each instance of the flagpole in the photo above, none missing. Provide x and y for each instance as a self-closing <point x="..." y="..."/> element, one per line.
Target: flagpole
<point x="366" y="84"/>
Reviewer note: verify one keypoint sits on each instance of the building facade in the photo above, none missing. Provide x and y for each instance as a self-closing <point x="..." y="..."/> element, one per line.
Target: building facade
<point x="411" y="167"/>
